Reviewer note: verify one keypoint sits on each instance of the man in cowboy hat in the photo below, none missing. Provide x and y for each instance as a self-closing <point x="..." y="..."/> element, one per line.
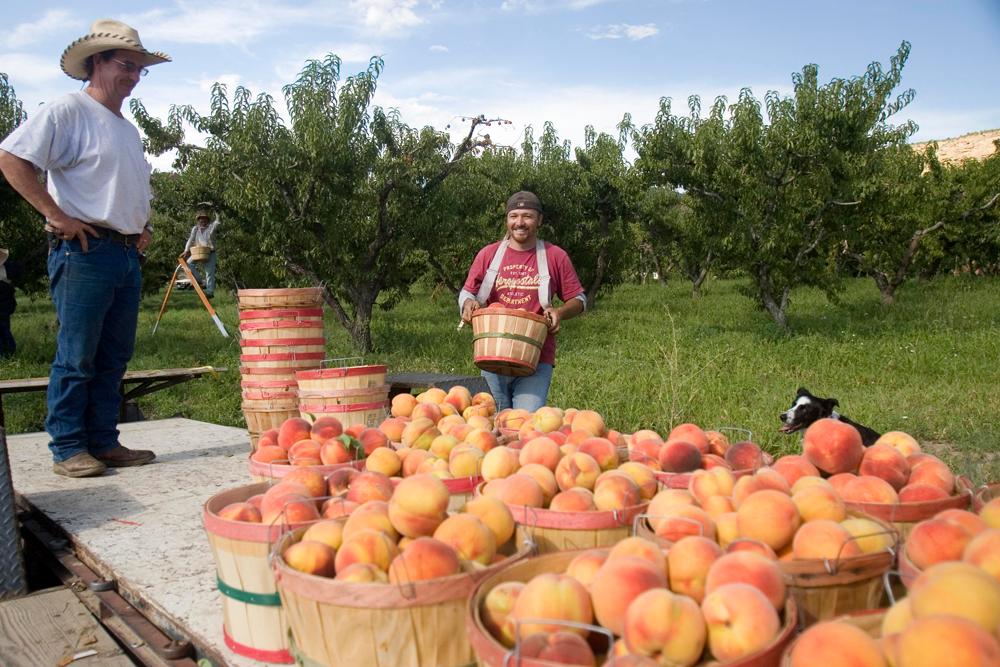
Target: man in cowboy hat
<point x="203" y="234"/>
<point x="96" y="208"/>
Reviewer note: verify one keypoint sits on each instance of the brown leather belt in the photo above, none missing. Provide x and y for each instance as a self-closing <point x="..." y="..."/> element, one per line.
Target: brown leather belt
<point x="103" y="233"/>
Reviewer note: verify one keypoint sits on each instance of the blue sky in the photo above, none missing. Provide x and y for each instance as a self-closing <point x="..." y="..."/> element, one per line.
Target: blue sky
<point x="572" y="62"/>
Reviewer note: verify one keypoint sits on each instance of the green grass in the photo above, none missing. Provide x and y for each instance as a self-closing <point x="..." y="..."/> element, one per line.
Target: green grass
<point x="649" y="357"/>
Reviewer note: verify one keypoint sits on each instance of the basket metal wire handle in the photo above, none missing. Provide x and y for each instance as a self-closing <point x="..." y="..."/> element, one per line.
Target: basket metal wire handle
<point x="740" y="429"/>
<point x="832" y="567"/>
<point x="343" y="361"/>
<point x="513" y="657"/>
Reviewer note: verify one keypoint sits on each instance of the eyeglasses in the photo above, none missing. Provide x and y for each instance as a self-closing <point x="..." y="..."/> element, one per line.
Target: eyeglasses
<point x="131" y="68"/>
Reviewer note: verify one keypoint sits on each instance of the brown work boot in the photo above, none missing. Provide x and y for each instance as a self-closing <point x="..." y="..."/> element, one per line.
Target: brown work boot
<point x="79" y="465"/>
<point x="120" y="456"/>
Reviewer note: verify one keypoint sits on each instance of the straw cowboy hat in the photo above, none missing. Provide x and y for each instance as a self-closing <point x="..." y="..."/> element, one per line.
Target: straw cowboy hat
<point x="106" y="34"/>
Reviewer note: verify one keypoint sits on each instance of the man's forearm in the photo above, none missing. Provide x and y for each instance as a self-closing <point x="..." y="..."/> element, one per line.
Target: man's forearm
<point x="22" y="177"/>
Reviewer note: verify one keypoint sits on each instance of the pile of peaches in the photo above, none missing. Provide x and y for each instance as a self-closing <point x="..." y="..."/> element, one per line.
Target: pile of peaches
<point x="951" y="614"/>
<point x="660" y="609"/>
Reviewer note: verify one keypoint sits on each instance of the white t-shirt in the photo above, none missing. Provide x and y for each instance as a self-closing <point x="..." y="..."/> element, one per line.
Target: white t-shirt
<point x="97" y="171"/>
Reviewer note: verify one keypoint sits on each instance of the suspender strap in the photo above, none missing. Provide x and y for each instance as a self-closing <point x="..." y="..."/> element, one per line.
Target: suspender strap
<point x="491" y="274"/>
<point x="543" y="273"/>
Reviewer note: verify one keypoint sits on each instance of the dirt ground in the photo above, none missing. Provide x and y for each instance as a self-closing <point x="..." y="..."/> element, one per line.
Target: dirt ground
<point x="978" y="145"/>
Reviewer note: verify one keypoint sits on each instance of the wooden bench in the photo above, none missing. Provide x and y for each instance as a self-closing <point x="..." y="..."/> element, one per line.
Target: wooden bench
<point x="146" y="382"/>
<point x="405" y="383"/>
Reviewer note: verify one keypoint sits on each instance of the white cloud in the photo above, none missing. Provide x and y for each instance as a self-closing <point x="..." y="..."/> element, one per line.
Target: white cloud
<point x="27" y="34"/>
<point x="387" y="16"/>
<point x="540" y="6"/>
<point x="227" y="22"/>
<point x="438" y="48"/>
<point x="623" y="30"/>
<point x="946" y="124"/>
<point x="30" y="70"/>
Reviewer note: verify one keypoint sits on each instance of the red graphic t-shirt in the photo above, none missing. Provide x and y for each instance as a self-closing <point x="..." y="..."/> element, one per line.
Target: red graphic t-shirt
<point x="517" y="282"/>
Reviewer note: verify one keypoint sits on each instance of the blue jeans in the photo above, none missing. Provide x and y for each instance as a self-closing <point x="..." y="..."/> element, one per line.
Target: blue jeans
<point x="96" y="296"/>
<point x="205" y="272"/>
<point x="527" y="393"/>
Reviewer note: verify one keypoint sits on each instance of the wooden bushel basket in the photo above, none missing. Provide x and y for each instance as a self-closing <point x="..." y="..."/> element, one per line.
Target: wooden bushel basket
<point x="370" y="414"/>
<point x="344" y="396"/>
<point x="273" y="472"/>
<point x="337" y="624"/>
<point x="491" y="653"/>
<point x="508" y="341"/>
<point x="200" y="253"/>
<point x="339" y="379"/>
<point x="288" y="297"/>
<point x="904" y="516"/>
<point x="264" y="415"/>
<point x="823" y="589"/>
<point x="301" y="314"/>
<point x="254" y="623"/>
<point x="281" y="329"/>
<point x="293" y="361"/>
<point x="262" y="346"/>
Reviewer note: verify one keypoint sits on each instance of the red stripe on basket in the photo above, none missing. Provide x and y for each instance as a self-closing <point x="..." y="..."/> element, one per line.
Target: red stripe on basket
<point x="519" y="362"/>
<point x="323" y="373"/>
<point x="283" y="342"/>
<point x="278" y="314"/>
<point x="292" y="356"/>
<point x="281" y="656"/>
<point x="281" y="324"/>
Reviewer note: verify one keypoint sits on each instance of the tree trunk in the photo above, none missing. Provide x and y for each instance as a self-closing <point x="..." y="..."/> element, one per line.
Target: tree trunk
<point x="697" y="281"/>
<point x="602" y="258"/>
<point x="776" y="307"/>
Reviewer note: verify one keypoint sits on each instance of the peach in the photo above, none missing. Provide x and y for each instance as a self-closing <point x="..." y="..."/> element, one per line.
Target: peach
<point x="418" y="505"/>
<point x="576" y="499"/>
<point x="481" y="437"/>
<point x="329" y="532"/>
<point x="833" y="446"/>
<point x="920" y="457"/>
<point x="304" y="449"/>
<point x="541" y="450"/>
<point x="740" y="620"/>
<point x="499" y="462"/>
<point x="934" y="473"/>
<point x="362" y="573"/>
<point x="293" y="430"/>
<point x="424" y="558"/>
<point x="558" y="647"/>
<point x="469" y="537"/>
<point x="242" y="511"/>
<point x="819" y="502"/>
<point x="823" y="539"/>
<point x="666" y="499"/>
<point x="269" y="438"/>
<point x="384" y="460"/>
<point x="432" y="395"/>
<point x="718" y="443"/>
<point x="311" y="557"/>
<point x="617" y="584"/>
<point x="968" y="520"/>
<point x="335" y="450"/>
<point x="498" y="604"/>
<point x="793" y="467"/>
<point x="983" y="551"/>
<point x="691" y="433"/>
<point x="840" y="481"/>
<point x="919" y="492"/>
<point x="679" y="456"/>
<point x="709" y="461"/>
<point x="584" y="566"/>
<point x="354" y="430"/>
<point x="431" y="411"/>
<point x="256" y="500"/>
<point x="495" y="514"/>
<point x="727" y="528"/>
<point x="478" y="410"/>
<point x="664" y="626"/>
<point x="958" y="589"/>
<point x="411" y="460"/>
<point x="870" y="536"/>
<point x="546" y="419"/>
<point x="289" y="509"/>
<point x="944" y="640"/>
<point x="744" y="455"/>
<point x="545" y="478"/>
<point x="836" y="644"/>
<point x="590" y="422"/>
<point x="752" y="568"/>
<point x="419" y="433"/>
<point x="754" y="546"/>
<point x="459" y="396"/>
<point x="885" y="462"/>
<point x="442" y="445"/>
<point x="577" y="469"/>
<point x="270" y="454"/>
<point x="904" y="443"/>
<point x="716" y="506"/>
<point x="465" y="461"/>
<point x="714" y="482"/>
<point x="325" y="428"/>
<point x="990" y="513"/>
<point x="521" y="489"/>
<point x="764" y="478"/>
<point x="936" y="540"/>
<point x="512" y="418"/>
<point x="336" y="508"/>
<point x="402" y="405"/>
<point x="603" y="451"/>
<point x="393" y="427"/>
<point x="688" y="563"/>
<point x="646" y="452"/>
<point x="897" y="618"/>
<point x="616" y="492"/>
<point x="768" y="516"/>
<point x="645" y="434"/>
<point x="373" y="515"/>
<point x="367" y="546"/>
<point x="805" y="482"/>
<point x="868" y="489"/>
<point x="683" y="520"/>
<point x="557" y="597"/>
<point x="640" y="547"/>
<point x="368" y="485"/>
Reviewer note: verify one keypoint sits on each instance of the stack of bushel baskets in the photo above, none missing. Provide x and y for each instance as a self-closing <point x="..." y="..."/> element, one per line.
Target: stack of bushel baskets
<point x="281" y="332"/>
<point x="352" y="394"/>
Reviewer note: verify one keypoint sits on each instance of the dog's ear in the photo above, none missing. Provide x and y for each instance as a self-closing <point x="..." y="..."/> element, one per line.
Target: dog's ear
<point x="830" y="403"/>
<point x="803" y="392"/>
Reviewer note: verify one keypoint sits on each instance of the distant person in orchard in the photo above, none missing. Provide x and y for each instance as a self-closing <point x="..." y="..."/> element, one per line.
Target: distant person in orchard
<point x="96" y="208"/>
<point x="8" y="304"/>
<point x="522" y="271"/>
<point x="203" y="234"/>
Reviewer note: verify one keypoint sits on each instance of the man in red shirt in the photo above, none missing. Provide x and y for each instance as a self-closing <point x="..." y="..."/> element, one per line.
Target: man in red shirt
<point x="517" y="282"/>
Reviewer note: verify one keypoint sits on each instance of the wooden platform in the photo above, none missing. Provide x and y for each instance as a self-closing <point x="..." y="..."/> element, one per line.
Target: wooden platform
<point x="142" y="526"/>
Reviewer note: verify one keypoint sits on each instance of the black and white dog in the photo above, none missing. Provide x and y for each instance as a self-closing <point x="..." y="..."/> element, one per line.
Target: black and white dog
<point x="807" y="408"/>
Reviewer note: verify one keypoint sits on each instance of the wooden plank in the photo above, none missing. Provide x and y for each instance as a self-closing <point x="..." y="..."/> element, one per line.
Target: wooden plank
<point x="30" y="384"/>
<point x="45" y="627"/>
